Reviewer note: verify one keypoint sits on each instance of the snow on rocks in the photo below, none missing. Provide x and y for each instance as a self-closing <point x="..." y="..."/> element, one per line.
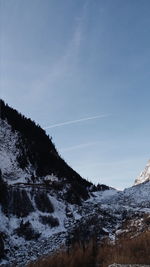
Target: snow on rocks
<point x="144" y="176"/>
<point x="9" y="152"/>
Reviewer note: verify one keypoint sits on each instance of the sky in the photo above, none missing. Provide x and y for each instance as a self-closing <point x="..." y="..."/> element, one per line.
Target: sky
<point x="81" y="69"/>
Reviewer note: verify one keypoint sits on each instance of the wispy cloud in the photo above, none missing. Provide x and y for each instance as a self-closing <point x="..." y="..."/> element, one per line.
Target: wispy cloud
<point x="66" y="64"/>
<point x="76" y="121"/>
<point x="78" y="146"/>
<point x="69" y="59"/>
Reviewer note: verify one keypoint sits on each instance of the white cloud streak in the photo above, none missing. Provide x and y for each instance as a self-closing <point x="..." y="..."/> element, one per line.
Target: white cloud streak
<point x="78" y="146"/>
<point x="76" y="121"/>
<point x="65" y="65"/>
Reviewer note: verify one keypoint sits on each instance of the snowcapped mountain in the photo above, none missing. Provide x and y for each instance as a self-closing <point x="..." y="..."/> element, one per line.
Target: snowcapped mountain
<point x="44" y="203"/>
<point x="144" y="176"/>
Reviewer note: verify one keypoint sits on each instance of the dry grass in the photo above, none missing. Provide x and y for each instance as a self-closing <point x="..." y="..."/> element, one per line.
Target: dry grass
<point x="125" y="251"/>
<point x="76" y="257"/>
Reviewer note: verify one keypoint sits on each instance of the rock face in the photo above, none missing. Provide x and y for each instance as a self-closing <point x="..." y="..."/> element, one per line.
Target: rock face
<point x="16" y="202"/>
<point x="2" y="251"/>
<point x="144" y="176"/>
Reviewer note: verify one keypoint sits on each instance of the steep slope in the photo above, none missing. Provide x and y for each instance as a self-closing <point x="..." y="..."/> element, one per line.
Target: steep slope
<point x="144" y="176"/>
<point x="27" y="155"/>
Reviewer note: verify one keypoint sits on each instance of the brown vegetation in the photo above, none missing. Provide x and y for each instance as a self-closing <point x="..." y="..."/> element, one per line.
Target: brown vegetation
<point x="125" y="251"/>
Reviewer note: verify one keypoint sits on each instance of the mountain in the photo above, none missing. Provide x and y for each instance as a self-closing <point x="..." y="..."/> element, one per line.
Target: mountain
<point x="45" y="204"/>
<point x="28" y="155"/>
<point x="39" y="191"/>
<point x="144" y="176"/>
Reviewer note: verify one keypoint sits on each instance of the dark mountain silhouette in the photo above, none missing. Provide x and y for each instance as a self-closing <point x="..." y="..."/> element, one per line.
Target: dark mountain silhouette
<point x="37" y="148"/>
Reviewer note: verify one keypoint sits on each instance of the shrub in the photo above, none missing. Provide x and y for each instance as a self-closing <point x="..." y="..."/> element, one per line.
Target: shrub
<point x="25" y="230"/>
<point x="50" y="220"/>
<point x="43" y="203"/>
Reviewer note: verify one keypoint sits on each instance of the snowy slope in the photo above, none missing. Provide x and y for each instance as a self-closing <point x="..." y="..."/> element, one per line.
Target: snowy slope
<point x="9" y="151"/>
<point x="23" y="246"/>
<point x="103" y="213"/>
<point x="144" y="176"/>
<point x="137" y="196"/>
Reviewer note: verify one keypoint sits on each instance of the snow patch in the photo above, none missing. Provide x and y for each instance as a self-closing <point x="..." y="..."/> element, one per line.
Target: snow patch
<point x="11" y="172"/>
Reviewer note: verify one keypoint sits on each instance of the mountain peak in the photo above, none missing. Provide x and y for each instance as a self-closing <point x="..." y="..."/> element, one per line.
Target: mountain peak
<point x="144" y="175"/>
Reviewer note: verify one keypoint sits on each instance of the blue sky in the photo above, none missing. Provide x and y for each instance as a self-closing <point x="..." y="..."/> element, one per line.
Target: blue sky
<point x="69" y="60"/>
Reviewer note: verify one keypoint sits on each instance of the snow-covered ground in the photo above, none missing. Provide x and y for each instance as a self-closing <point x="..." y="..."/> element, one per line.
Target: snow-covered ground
<point x="107" y="206"/>
<point x="9" y="152"/>
<point x="137" y="196"/>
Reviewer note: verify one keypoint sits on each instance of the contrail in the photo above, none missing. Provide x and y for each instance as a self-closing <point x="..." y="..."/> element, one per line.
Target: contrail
<point x="78" y="146"/>
<point x="76" y="121"/>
